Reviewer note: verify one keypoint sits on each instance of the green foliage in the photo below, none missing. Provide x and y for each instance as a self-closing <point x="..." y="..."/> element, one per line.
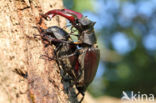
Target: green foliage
<point x="83" y="5"/>
<point x="79" y="5"/>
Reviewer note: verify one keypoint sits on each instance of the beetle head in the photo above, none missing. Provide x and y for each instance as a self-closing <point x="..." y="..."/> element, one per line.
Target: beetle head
<point x="57" y="33"/>
<point x="85" y="23"/>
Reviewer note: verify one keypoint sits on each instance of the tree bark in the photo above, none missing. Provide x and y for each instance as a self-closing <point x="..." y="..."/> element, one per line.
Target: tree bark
<point x="24" y="77"/>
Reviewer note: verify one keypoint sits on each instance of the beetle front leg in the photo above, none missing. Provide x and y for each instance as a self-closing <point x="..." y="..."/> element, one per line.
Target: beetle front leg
<point x="76" y="52"/>
<point x="70" y="55"/>
<point x="46" y="57"/>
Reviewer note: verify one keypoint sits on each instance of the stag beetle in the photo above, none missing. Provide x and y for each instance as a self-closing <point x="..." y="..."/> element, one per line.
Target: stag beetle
<point x="66" y="52"/>
<point x="64" y="48"/>
<point x="88" y="54"/>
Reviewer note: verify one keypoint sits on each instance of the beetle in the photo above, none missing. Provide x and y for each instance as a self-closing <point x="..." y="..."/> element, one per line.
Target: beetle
<point x="64" y="46"/>
<point x="66" y="52"/>
<point x="89" y="53"/>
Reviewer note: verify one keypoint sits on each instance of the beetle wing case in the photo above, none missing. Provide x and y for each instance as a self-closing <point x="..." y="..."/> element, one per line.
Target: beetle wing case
<point x="89" y="61"/>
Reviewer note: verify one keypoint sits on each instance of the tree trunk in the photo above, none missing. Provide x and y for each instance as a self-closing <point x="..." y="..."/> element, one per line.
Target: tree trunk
<point x="24" y="77"/>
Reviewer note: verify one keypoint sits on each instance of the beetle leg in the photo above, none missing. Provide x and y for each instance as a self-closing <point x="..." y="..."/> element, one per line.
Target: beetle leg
<point x="76" y="52"/>
<point x="58" y="47"/>
<point x="46" y="57"/>
<point x="71" y="29"/>
<point x="72" y="54"/>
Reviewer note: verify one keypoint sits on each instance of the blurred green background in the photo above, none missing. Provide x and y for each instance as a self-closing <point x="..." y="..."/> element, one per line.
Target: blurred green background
<point x="126" y="31"/>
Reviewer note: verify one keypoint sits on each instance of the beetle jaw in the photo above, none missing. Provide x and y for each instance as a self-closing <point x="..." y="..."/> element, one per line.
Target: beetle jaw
<point x="68" y="14"/>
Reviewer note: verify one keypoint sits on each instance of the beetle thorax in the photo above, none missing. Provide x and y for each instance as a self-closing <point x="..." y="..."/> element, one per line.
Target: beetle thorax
<point x="88" y="37"/>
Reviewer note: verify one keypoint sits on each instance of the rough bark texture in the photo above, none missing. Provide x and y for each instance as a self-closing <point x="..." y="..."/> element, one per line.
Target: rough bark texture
<point x="24" y="77"/>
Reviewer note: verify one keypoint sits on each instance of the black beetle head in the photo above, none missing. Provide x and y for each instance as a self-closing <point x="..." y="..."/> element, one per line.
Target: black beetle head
<point x="57" y="33"/>
<point x="86" y="23"/>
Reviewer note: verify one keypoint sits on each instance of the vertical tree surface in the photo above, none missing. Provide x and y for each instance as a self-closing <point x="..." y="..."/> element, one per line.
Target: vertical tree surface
<point x="24" y="77"/>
